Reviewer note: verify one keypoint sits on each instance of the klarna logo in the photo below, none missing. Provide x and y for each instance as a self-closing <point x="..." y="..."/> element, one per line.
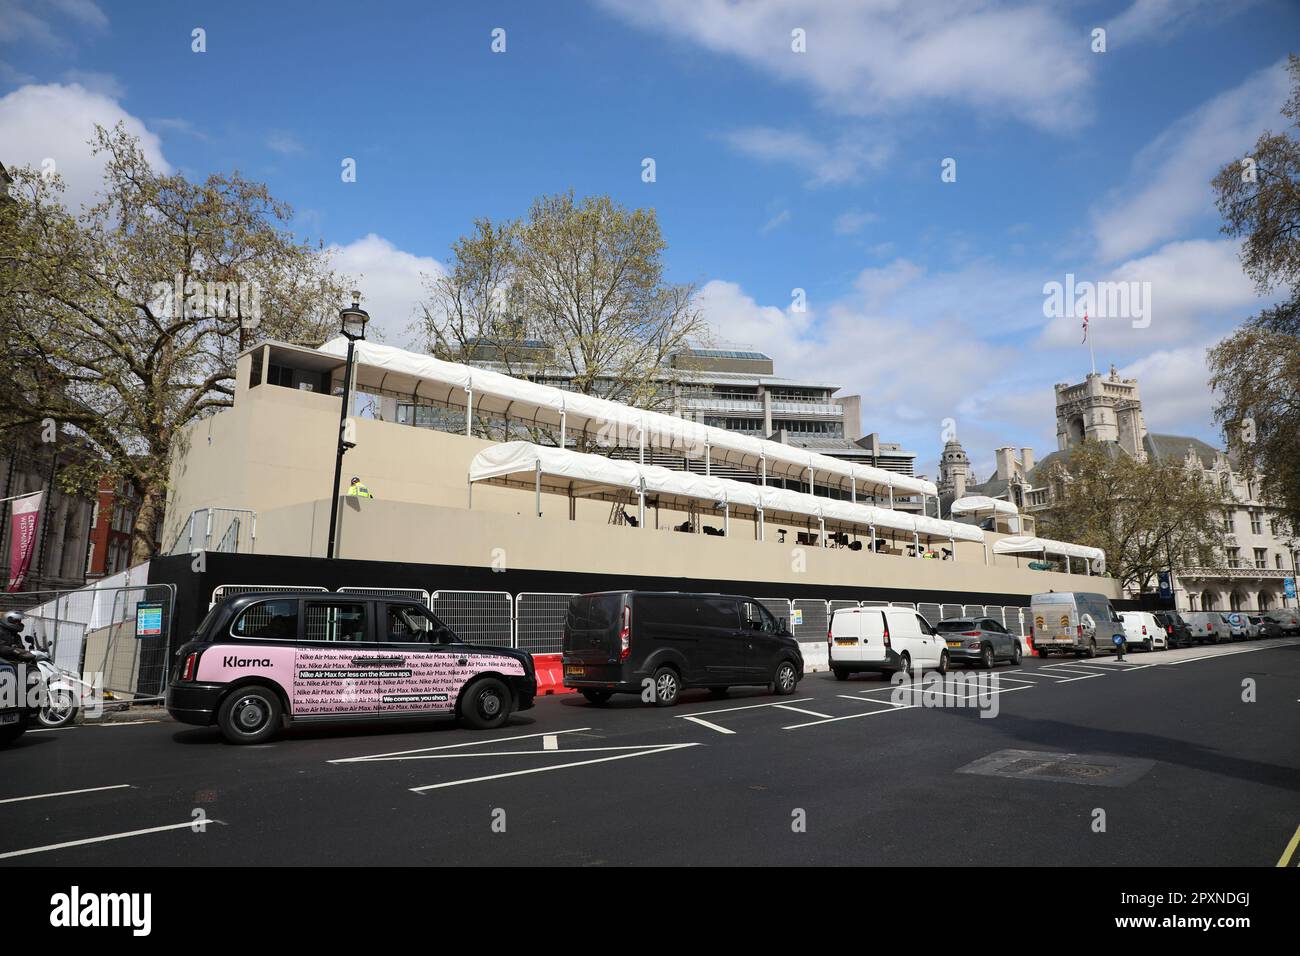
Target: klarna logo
<point x="77" y="909"/>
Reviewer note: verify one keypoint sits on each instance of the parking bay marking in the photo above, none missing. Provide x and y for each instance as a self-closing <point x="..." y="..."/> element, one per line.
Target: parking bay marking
<point x="698" y="716"/>
<point x="104" y="839"/>
<point x="645" y="751"/>
<point x="892" y="709"/>
<point x="65" y="793"/>
<point x="401" y="754"/>
<point x="1285" y="859"/>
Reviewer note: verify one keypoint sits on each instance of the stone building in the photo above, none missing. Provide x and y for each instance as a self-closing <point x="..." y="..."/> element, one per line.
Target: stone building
<point x="1259" y="551"/>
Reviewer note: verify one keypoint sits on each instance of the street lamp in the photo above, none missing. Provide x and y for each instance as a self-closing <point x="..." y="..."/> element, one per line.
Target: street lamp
<point x="352" y="321"/>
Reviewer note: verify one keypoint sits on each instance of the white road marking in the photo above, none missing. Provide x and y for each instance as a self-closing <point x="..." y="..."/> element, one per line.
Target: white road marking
<point x="563" y="766"/>
<point x="728" y="710"/>
<point x="869" y="700"/>
<point x="515" y="753"/>
<point x="704" y="723"/>
<point x="123" y="723"/>
<point x="101" y="839"/>
<point x="471" y="743"/>
<point x="870" y="713"/>
<point x="550" y="742"/>
<point x="800" y="710"/>
<point x="66" y="793"/>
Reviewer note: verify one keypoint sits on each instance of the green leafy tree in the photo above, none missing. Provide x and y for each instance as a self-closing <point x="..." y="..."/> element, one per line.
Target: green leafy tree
<point x="1146" y="516"/>
<point x="1255" y="372"/>
<point x="122" y="322"/>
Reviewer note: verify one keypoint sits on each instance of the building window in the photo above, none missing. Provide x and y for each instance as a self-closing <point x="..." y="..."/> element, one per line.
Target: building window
<point x="1234" y="557"/>
<point x="1261" y="558"/>
<point x="1277" y="562"/>
<point x="1256" y="524"/>
<point x="1227" y="522"/>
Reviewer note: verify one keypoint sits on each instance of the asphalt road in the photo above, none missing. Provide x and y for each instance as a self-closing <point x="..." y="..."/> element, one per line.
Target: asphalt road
<point x="1179" y="768"/>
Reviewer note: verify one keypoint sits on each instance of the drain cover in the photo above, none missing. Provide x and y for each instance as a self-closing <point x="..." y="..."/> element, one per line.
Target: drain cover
<point x="1092" y="769"/>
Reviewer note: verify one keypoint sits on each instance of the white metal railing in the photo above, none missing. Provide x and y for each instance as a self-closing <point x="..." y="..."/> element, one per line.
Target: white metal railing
<point x="234" y="530"/>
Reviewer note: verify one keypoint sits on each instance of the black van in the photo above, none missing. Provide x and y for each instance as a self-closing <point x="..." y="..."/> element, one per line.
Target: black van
<point x="623" y="642"/>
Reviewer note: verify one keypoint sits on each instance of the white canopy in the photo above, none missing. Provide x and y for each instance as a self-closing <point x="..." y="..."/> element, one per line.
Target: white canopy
<point x="561" y="471"/>
<point x="450" y="383"/>
<point x="982" y="504"/>
<point x="1023" y="544"/>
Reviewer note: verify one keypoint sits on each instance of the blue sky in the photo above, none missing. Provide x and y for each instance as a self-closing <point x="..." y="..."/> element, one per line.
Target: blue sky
<point x="776" y="170"/>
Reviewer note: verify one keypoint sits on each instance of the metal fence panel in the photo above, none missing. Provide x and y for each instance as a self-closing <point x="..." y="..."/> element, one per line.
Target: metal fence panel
<point x="931" y="612"/>
<point x="1017" y="621"/>
<point x="950" y="610"/>
<point x="973" y="610"/>
<point x="906" y="604"/>
<point x="874" y="603"/>
<point x="226" y="590"/>
<point x="539" y="621"/>
<point x="418" y="594"/>
<point x="483" y="617"/>
<point x="780" y="608"/>
<point x="808" y="619"/>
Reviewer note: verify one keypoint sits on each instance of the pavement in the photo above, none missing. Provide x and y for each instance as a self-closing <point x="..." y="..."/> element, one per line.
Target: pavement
<point x="1156" y="761"/>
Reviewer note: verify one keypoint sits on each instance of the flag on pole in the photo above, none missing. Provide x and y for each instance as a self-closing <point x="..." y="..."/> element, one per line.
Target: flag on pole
<point x="25" y="513"/>
<point x="1085" y="328"/>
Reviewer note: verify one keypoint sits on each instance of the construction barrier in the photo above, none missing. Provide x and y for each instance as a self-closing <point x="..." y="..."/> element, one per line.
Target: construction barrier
<point x="550" y="675"/>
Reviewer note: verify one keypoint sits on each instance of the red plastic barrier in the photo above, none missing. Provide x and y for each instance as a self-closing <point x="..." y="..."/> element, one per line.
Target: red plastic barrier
<point x="550" y="675"/>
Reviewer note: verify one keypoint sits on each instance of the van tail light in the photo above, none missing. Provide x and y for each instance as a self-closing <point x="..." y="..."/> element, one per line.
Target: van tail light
<point x="191" y="660"/>
<point x="887" y="644"/>
<point x="1079" y="629"/>
<point x="625" y="635"/>
<point x="1144" y="630"/>
<point x="1169" y="629"/>
<point x="829" y="641"/>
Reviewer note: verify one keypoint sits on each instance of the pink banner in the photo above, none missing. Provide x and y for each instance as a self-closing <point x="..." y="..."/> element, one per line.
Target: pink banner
<point x="24" y="515"/>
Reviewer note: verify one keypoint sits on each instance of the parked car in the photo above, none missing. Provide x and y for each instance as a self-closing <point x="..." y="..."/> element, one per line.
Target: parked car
<point x="1238" y="625"/>
<point x="1281" y="622"/>
<point x="1075" y="622"/>
<point x="1209" y="627"/>
<point x="260" y="660"/>
<point x="1254" y="626"/>
<point x="1178" y="633"/>
<point x="1141" y="629"/>
<point x="978" y="640"/>
<point x="884" y="641"/>
<point x="623" y="642"/>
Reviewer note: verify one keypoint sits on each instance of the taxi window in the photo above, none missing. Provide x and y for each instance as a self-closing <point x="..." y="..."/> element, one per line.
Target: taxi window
<point x="268" y="621"/>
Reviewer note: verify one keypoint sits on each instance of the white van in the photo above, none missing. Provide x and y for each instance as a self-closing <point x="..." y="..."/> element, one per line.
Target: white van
<point x="1208" y="626"/>
<point x="1141" y="629"/>
<point x="883" y="640"/>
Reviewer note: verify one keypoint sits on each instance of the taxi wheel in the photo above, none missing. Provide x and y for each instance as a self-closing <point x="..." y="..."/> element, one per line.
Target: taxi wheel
<point x="249" y="715"/>
<point x="486" y="704"/>
<point x="11" y="732"/>
<point x="1015" y="654"/>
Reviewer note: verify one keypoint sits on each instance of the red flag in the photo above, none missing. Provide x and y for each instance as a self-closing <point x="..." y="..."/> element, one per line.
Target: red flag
<point x="25" y="513"/>
<point x="1085" y="327"/>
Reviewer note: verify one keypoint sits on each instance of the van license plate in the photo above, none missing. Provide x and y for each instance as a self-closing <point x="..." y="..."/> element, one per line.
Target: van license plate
<point x="845" y="641"/>
<point x="571" y="671"/>
<point x="9" y="718"/>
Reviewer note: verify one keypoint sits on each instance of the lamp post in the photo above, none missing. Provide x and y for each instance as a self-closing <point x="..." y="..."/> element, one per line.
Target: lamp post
<point x="353" y="325"/>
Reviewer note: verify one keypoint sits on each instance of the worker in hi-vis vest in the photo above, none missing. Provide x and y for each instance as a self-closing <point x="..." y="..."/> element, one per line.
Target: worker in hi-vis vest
<point x="357" y="489"/>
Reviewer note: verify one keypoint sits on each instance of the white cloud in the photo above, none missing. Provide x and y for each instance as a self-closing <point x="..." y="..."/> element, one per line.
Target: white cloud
<point x="1163" y="19"/>
<point x="57" y="122"/>
<point x="1169" y="187"/>
<point x="865" y="57"/>
<point x="286" y="144"/>
<point x="1176" y="397"/>
<point x="828" y="164"/>
<point x="34" y="22"/>
<point x="776" y="222"/>
<point x="852" y="221"/>
<point x="389" y="280"/>
<point x="1196" y="286"/>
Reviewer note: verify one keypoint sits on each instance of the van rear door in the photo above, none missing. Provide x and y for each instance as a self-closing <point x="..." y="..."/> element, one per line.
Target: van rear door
<point x="592" y="642"/>
<point x="846" y="635"/>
